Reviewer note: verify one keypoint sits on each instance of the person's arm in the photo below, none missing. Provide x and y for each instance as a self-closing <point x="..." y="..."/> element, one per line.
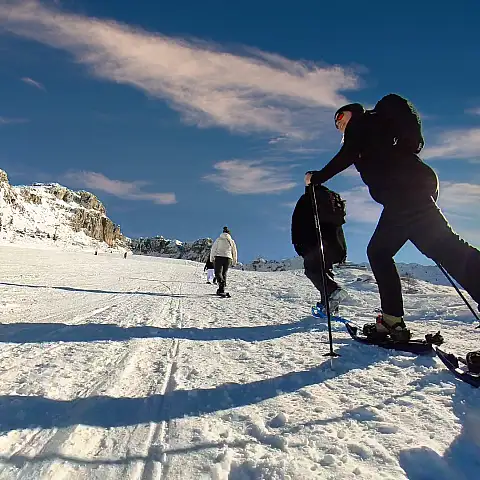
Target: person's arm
<point x="348" y="154"/>
<point x="234" y="252"/>
<point x="340" y="162"/>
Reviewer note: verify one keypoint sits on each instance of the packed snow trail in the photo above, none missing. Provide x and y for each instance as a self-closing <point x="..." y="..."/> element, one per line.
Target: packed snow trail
<point x="114" y="368"/>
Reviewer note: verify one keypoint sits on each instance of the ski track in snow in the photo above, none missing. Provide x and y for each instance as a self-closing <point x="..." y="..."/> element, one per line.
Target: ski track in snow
<point x="113" y="368"/>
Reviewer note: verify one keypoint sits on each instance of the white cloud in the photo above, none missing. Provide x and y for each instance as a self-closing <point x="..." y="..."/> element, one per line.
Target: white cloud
<point x="118" y="188"/>
<point x="244" y="177"/>
<point x="351" y="172"/>
<point x="460" y="202"/>
<point x="460" y="198"/>
<point x="473" y="111"/>
<point x="360" y="206"/>
<point x="461" y="144"/>
<point x="252" y="91"/>
<point x="33" y="83"/>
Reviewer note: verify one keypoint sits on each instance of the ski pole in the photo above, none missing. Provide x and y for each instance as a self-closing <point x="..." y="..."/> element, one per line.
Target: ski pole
<point x="324" y="273"/>
<point x="459" y="292"/>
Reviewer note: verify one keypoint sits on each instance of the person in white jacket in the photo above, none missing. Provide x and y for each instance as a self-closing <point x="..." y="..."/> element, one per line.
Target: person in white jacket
<point x="223" y="255"/>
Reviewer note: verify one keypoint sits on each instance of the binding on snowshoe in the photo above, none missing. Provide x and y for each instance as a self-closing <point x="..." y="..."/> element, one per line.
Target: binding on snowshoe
<point x="473" y="362"/>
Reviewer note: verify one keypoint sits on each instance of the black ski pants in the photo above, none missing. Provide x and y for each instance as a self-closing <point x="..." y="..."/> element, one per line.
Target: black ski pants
<point x="426" y="227"/>
<point x="313" y="271"/>
<point x="222" y="264"/>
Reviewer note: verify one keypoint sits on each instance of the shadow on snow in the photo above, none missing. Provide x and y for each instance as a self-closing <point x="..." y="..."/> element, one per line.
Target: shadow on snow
<point x="18" y="411"/>
<point x="94" y="332"/>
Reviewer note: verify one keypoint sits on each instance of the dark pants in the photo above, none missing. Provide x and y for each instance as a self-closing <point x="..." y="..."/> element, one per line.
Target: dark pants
<point x="222" y="264"/>
<point x="426" y="227"/>
<point x="313" y="271"/>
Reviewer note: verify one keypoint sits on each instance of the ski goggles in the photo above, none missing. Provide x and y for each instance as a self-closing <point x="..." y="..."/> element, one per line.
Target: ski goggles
<point x="338" y="118"/>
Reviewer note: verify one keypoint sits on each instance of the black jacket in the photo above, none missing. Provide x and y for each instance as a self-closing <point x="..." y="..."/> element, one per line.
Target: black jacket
<point x="392" y="176"/>
<point x="304" y="233"/>
<point x="209" y="265"/>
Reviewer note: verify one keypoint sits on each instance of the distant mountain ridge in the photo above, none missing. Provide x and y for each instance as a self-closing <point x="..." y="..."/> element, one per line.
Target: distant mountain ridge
<point x="48" y="213"/>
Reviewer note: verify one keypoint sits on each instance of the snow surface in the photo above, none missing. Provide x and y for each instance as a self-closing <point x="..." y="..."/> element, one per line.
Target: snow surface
<point x="133" y="369"/>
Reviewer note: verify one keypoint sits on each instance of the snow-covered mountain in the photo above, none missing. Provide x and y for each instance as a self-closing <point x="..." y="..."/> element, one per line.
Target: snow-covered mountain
<point x="159" y="246"/>
<point x="53" y="215"/>
<point x="409" y="272"/>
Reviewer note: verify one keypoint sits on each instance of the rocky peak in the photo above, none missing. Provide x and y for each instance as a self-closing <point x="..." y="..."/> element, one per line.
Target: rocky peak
<point x="62" y="214"/>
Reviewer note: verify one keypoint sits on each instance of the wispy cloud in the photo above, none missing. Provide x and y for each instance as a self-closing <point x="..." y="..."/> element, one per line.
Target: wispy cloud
<point x="460" y="202"/>
<point x="350" y="172"/>
<point x="459" y="198"/>
<point x="473" y="111"/>
<point x="12" y="121"/>
<point x="244" y="177"/>
<point x="118" y="188"/>
<point x="461" y="144"/>
<point x="33" y="83"/>
<point x="252" y="91"/>
<point x="360" y="206"/>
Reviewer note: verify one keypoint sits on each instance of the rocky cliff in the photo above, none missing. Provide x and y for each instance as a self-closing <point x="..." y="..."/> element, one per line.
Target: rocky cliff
<point x="199" y="250"/>
<point x="51" y="212"/>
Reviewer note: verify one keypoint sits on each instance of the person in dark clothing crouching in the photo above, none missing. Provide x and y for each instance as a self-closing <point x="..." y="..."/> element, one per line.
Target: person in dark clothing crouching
<point x="331" y="214"/>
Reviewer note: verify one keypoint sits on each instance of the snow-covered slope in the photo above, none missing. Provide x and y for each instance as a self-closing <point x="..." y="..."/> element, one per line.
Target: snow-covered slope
<point x="133" y="369"/>
<point x="409" y="272"/>
<point x="50" y="215"/>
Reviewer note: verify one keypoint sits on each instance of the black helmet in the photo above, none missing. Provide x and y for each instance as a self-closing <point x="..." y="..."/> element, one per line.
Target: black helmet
<point x="351" y="107"/>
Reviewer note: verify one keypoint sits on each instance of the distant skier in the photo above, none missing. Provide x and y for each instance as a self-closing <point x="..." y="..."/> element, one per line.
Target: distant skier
<point x="209" y="268"/>
<point x="125" y="255"/>
<point x="223" y="255"/>
<point x="384" y="144"/>
<point x="331" y="214"/>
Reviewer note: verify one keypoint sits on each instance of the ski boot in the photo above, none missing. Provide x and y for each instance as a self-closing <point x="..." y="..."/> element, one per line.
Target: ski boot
<point x="388" y="326"/>
<point x="473" y="361"/>
<point x="334" y="301"/>
<point x="323" y="309"/>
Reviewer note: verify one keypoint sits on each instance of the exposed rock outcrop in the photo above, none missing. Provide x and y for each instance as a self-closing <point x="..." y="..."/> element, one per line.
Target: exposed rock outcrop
<point x="198" y="250"/>
<point x="63" y="214"/>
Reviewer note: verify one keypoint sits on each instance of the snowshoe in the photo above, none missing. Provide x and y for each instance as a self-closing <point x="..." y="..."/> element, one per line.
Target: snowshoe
<point x="420" y="347"/>
<point x="453" y="363"/>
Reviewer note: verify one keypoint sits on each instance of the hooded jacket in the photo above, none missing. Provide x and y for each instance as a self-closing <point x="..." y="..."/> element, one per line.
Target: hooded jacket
<point x="224" y="246"/>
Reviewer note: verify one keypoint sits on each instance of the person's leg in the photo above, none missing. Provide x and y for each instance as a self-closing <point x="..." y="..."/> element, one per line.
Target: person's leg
<point x="227" y="264"/>
<point x="313" y="271"/>
<point x="433" y="236"/>
<point x="210" y="274"/>
<point x="222" y="268"/>
<point x="390" y="235"/>
<point x="218" y="266"/>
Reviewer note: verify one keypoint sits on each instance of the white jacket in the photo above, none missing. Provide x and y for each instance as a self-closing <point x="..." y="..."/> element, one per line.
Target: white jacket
<point x="224" y="246"/>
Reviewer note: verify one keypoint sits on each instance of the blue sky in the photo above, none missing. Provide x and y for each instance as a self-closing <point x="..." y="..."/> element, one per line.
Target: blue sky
<point x="186" y="116"/>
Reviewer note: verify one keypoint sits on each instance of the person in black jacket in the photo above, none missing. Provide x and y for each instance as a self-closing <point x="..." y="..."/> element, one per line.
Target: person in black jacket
<point x="210" y="269"/>
<point x="408" y="189"/>
<point x="305" y="243"/>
